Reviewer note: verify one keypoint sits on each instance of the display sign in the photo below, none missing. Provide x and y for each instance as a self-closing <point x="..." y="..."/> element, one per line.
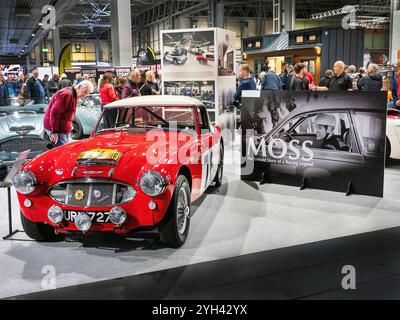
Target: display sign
<point x="330" y="141"/>
<point x="71" y="73"/>
<point x="200" y="63"/>
<point x="123" y="71"/>
<point x="92" y="73"/>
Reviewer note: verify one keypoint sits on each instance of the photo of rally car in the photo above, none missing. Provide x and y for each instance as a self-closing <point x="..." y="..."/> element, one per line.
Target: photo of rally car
<point x="177" y="56"/>
<point x="121" y="179"/>
<point x="196" y="51"/>
<point x="205" y="58"/>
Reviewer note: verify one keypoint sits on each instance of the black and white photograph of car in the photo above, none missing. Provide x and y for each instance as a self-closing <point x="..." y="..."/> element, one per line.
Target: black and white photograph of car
<point x="177" y="56"/>
<point x="333" y="141"/>
<point x="181" y="51"/>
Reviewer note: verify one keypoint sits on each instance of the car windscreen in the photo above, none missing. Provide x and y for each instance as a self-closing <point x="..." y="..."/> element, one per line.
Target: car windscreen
<point x="149" y="117"/>
<point x="13" y="106"/>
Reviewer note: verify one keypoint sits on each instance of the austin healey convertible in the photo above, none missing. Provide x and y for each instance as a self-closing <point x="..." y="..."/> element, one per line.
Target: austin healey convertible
<point x="146" y="161"/>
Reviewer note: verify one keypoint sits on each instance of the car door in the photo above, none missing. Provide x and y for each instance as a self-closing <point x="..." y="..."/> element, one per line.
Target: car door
<point x="299" y="157"/>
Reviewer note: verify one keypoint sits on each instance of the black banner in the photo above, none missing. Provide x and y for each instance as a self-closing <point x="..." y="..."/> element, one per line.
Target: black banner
<point x="330" y="141"/>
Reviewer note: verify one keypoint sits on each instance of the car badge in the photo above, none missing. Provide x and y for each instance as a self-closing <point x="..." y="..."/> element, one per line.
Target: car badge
<point x="79" y="195"/>
<point x="59" y="172"/>
<point x="97" y="194"/>
<point x="100" y="154"/>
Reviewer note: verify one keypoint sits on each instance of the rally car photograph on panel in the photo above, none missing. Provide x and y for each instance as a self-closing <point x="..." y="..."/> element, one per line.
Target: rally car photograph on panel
<point x="147" y="160"/>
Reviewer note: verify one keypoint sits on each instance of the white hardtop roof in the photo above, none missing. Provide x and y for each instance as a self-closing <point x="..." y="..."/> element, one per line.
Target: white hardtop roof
<point x="153" y="101"/>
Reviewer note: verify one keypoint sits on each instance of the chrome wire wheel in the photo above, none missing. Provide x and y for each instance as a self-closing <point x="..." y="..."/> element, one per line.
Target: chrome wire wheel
<point x="183" y="211"/>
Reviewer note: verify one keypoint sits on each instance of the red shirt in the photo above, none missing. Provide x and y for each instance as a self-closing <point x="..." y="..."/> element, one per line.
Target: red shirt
<point x="61" y="111"/>
<point x="108" y="94"/>
<point x="310" y="77"/>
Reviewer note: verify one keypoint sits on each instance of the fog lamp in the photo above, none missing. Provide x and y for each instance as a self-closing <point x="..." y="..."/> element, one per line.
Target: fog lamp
<point x="152" y="205"/>
<point x="118" y="216"/>
<point x="27" y="203"/>
<point x="55" y="214"/>
<point x="83" y="222"/>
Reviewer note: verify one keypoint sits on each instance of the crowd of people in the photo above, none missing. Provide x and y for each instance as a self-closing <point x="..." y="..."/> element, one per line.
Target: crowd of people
<point x="110" y="87"/>
<point x="65" y="94"/>
<point x="298" y="78"/>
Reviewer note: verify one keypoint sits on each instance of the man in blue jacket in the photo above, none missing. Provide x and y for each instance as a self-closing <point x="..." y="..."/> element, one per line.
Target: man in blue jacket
<point x="246" y="82"/>
<point x="271" y="81"/>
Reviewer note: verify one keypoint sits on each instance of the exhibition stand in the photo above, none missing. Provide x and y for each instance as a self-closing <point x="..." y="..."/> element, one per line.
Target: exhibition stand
<point x="201" y="63"/>
<point x="329" y="141"/>
<point x="7" y="184"/>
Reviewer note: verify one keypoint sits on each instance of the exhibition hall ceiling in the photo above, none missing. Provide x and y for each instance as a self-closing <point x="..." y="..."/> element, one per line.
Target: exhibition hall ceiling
<point x="90" y="19"/>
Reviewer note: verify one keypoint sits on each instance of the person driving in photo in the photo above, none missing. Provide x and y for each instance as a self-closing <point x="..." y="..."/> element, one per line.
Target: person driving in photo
<point x="325" y="125"/>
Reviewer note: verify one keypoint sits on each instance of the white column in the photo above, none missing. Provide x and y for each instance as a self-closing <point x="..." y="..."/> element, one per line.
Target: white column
<point x="37" y="56"/>
<point x="56" y="46"/>
<point x="394" y="31"/>
<point x="289" y="15"/>
<point x="121" y="32"/>
<point x="220" y="14"/>
<point x="28" y="62"/>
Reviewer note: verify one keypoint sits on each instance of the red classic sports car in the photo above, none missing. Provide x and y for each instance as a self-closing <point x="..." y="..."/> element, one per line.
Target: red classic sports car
<point x="205" y="58"/>
<point x="146" y="161"/>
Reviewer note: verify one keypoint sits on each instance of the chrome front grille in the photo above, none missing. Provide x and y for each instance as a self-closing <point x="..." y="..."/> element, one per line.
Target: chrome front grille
<point x="20" y="144"/>
<point x="92" y="193"/>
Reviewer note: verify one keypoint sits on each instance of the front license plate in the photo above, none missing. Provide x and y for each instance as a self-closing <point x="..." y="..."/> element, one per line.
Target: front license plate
<point x="97" y="217"/>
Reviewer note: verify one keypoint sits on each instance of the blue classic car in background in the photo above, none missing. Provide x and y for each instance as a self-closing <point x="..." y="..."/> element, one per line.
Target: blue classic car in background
<point x="21" y="126"/>
<point x="89" y="110"/>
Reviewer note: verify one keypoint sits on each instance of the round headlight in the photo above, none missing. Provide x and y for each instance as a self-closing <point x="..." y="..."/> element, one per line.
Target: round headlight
<point x="55" y="214"/>
<point x="25" y="182"/>
<point x="118" y="216"/>
<point x="83" y="222"/>
<point x="152" y="183"/>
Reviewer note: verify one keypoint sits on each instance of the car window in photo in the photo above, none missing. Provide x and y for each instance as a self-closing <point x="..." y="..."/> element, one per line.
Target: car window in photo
<point x="369" y="126"/>
<point x="306" y="128"/>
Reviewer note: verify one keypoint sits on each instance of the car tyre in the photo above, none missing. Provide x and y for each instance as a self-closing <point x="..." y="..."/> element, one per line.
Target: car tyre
<point x="174" y="228"/>
<point x="388" y="149"/>
<point x="39" y="231"/>
<point x="220" y="172"/>
<point x="175" y="61"/>
<point x="77" y="132"/>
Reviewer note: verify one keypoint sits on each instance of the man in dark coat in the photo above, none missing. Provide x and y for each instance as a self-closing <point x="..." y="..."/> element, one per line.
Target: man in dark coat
<point x="36" y="89"/>
<point x="3" y="91"/>
<point x="373" y="81"/>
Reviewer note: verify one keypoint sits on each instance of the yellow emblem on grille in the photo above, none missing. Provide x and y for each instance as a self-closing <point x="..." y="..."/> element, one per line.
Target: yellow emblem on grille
<point x="79" y="195"/>
<point x="100" y="154"/>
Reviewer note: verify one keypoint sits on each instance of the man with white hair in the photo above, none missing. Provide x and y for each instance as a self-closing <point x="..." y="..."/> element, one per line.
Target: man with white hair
<point x="373" y="81"/>
<point x="341" y="80"/>
<point x="61" y="112"/>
